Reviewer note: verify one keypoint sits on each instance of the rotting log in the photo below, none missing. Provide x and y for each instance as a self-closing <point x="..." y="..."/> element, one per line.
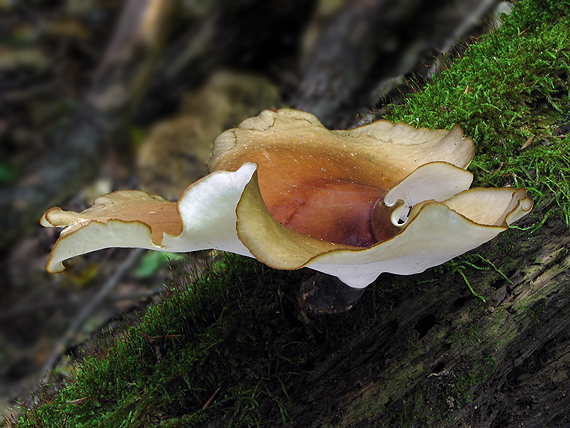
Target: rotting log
<point x="446" y="359"/>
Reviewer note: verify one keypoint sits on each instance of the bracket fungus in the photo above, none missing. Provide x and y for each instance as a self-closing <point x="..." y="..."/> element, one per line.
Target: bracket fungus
<point x="282" y="188"/>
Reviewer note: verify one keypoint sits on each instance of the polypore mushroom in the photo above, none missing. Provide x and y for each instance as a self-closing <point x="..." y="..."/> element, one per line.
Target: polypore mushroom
<point x="284" y="189"/>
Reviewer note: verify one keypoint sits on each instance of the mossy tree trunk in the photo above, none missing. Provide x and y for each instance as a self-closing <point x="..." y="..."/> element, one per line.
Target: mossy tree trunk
<point x="434" y="353"/>
<point x="444" y="358"/>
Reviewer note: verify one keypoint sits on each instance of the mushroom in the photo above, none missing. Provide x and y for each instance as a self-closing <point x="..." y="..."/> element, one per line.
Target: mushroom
<point x="383" y="197"/>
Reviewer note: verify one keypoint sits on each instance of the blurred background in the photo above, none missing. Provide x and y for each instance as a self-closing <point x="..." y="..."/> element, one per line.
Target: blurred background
<point x="103" y="95"/>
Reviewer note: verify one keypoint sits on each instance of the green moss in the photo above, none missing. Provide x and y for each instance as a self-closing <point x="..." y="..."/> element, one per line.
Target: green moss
<point x="227" y="331"/>
<point x="233" y="335"/>
<point x="235" y="330"/>
<point x="476" y="374"/>
<point x="510" y="88"/>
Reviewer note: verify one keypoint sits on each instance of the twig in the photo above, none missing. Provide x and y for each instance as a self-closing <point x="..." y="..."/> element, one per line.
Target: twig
<point x="135" y="295"/>
<point x="82" y="316"/>
<point x="207" y="404"/>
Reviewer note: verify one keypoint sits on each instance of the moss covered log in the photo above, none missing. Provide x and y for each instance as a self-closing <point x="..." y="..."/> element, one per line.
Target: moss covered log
<point x="481" y="341"/>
